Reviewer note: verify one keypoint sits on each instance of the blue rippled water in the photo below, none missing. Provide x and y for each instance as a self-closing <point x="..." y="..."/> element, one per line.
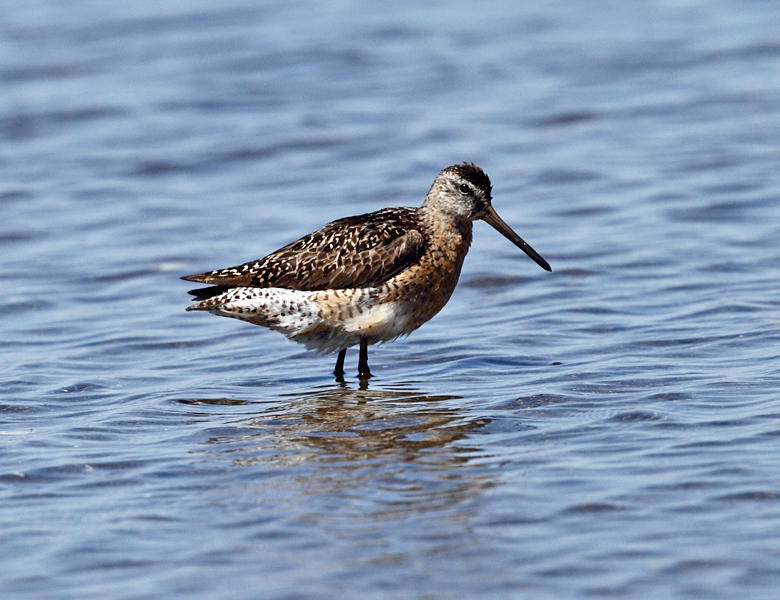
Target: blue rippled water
<point x="609" y="429"/>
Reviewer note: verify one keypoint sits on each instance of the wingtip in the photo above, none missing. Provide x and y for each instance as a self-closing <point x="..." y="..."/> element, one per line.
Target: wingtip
<point x="196" y="306"/>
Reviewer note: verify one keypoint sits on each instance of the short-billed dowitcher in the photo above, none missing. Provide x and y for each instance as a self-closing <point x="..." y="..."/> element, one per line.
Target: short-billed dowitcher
<point x="364" y="279"/>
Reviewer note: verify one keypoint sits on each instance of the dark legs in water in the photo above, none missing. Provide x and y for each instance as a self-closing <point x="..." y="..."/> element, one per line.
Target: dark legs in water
<point x="339" y="370"/>
<point x="363" y="371"/>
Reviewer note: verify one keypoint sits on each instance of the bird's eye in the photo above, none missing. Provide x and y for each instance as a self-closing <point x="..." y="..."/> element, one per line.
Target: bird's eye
<point x="464" y="188"/>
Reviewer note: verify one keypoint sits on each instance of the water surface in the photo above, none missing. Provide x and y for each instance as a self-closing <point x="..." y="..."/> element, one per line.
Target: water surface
<point x="609" y="429"/>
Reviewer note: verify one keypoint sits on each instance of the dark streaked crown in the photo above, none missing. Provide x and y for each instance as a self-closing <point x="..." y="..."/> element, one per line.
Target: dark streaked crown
<point x="474" y="175"/>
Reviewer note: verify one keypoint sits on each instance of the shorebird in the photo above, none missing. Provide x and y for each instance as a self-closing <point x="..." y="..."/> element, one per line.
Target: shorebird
<point x="364" y="279"/>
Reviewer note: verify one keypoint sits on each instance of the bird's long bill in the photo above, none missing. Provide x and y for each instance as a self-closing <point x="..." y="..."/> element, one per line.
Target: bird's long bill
<point x="492" y="218"/>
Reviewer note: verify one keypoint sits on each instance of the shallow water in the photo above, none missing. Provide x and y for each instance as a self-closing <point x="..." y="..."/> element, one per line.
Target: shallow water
<point x="609" y="429"/>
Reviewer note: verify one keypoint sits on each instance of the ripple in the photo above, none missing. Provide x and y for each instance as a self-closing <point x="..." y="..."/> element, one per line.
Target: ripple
<point x="594" y="508"/>
<point x="750" y="496"/>
<point x="637" y="416"/>
<point x="606" y="429"/>
<point x="564" y="176"/>
<point x="566" y="118"/>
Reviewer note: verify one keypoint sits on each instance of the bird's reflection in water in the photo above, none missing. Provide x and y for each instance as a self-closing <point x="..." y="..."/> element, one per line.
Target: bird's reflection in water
<point x="381" y="450"/>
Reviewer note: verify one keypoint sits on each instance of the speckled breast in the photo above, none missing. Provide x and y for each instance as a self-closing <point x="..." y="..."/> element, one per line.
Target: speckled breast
<point x="425" y="288"/>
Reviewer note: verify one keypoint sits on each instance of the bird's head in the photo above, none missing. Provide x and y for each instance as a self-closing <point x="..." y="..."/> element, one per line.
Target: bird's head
<point x="463" y="192"/>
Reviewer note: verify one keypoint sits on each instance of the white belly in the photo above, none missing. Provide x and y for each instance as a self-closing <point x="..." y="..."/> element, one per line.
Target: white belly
<point x="326" y="321"/>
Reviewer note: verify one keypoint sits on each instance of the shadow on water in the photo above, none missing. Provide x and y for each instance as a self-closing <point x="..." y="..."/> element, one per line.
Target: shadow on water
<point x="380" y="450"/>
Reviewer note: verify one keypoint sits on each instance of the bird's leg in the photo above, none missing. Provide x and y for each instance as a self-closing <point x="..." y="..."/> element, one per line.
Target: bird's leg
<point x="339" y="370"/>
<point x="363" y="371"/>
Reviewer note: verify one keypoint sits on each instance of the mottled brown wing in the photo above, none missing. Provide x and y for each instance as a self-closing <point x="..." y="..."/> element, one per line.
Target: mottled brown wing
<point x="352" y="252"/>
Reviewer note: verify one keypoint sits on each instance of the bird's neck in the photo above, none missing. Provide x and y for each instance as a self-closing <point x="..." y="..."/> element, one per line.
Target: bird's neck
<point x="439" y="220"/>
<point x="446" y="230"/>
